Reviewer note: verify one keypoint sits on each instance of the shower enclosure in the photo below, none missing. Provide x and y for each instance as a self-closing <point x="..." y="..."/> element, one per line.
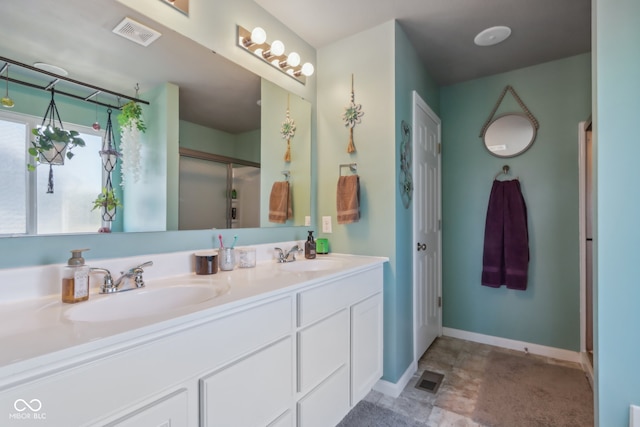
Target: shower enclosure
<point x="207" y="184"/>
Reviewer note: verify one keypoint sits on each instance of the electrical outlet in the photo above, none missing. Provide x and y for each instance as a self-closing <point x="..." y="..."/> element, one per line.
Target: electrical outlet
<point x="307" y="221"/>
<point x="326" y="224"/>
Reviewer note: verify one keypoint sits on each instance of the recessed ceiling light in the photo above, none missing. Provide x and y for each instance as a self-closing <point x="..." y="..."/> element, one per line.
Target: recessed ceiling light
<point x="493" y="35"/>
<point x="51" y="68"/>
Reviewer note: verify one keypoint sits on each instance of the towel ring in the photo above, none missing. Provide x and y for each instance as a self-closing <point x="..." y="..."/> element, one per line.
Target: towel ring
<point x="353" y="167"/>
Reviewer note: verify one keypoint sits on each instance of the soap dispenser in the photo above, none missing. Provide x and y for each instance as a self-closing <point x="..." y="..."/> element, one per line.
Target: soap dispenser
<point x="310" y="247"/>
<point x="75" y="278"/>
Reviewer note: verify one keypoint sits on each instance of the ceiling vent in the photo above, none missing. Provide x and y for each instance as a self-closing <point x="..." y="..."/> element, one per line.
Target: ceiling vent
<point x="136" y="32"/>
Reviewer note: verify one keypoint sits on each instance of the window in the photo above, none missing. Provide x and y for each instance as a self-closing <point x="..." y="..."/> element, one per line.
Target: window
<point x="25" y="206"/>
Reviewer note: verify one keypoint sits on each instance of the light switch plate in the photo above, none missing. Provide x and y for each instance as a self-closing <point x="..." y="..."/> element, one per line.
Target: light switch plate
<point x="634" y="420"/>
<point x="307" y="221"/>
<point x="326" y="224"/>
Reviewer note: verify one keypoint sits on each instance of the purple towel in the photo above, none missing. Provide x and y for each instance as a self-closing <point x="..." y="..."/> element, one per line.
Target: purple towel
<point x="506" y="238"/>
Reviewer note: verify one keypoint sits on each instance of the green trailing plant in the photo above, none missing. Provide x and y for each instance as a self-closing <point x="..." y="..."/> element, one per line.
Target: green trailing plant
<point x="131" y="114"/>
<point x="46" y="138"/>
<point x="106" y="199"/>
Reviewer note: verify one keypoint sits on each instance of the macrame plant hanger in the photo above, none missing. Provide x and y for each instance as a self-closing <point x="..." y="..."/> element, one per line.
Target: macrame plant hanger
<point x="520" y="103"/>
<point x="110" y="156"/>
<point x="55" y="156"/>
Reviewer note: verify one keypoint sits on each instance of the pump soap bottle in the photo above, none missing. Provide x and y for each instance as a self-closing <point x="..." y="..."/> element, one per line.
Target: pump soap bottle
<point x="310" y="247"/>
<point x="75" y="278"/>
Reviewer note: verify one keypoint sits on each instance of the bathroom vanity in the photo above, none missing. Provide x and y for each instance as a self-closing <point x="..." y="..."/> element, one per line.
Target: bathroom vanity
<point x="294" y="344"/>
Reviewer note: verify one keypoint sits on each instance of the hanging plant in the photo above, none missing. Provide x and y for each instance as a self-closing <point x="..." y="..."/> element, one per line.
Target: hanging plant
<point x="52" y="144"/>
<point x="107" y="199"/>
<point x="131" y="126"/>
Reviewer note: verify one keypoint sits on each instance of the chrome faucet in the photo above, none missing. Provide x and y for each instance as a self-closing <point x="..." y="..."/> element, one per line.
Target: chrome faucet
<point x="132" y="275"/>
<point x="288" y="256"/>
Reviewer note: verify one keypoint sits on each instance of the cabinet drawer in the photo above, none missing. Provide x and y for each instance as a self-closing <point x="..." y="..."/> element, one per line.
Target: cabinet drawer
<point x="325" y="299"/>
<point x="322" y="348"/>
<point x="327" y="404"/>
<point x="255" y="391"/>
<point x="172" y="411"/>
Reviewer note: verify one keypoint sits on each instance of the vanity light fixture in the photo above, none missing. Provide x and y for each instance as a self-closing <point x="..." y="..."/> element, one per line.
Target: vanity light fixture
<point x="255" y="42"/>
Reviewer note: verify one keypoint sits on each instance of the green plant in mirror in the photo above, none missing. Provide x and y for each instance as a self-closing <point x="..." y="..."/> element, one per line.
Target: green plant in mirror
<point x="131" y="127"/>
<point x="131" y="116"/>
<point x="52" y="144"/>
<point x="106" y="199"/>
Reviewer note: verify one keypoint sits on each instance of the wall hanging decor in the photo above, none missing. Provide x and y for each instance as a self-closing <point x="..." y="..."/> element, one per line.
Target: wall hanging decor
<point x="52" y="143"/>
<point x="406" y="178"/>
<point x="352" y="116"/>
<point x="288" y="130"/>
<point x="510" y="134"/>
<point x="131" y="127"/>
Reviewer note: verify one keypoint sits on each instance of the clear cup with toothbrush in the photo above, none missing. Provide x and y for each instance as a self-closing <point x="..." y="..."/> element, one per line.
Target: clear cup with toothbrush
<point x="226" y="258"/>
<point x="227" y="254"/>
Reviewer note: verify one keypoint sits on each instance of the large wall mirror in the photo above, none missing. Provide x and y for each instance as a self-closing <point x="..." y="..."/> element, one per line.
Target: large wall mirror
<point x="209" y="120"/>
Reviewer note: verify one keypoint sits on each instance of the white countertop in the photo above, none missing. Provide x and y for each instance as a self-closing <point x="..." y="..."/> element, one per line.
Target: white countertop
<point x="38" y="337"/>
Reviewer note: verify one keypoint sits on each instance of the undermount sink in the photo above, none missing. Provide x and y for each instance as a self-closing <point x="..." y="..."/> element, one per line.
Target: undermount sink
<point x="142" y="302"/>
<point x="311" y="265"/>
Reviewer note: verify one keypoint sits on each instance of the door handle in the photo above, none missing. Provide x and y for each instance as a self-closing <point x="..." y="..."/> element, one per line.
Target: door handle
<point x="422" y="246"/>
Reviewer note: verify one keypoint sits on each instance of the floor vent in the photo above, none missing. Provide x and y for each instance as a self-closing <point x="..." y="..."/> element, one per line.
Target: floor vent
<point x="429" y="381"/>
<point x="136" y="32"/>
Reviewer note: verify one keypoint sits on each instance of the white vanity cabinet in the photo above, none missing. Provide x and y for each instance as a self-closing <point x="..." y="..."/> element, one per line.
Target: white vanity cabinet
<point x="299" y="357"/>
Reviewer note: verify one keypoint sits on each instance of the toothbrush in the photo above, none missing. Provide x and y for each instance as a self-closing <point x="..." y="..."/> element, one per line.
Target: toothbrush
<point x="220" y="238"/>
<point x="235" y="239"/>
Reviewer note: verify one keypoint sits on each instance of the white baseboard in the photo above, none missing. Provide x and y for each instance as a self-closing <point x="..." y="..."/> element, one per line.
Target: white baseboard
<point x="394" y="389"/>
<point x="541" y="350"/>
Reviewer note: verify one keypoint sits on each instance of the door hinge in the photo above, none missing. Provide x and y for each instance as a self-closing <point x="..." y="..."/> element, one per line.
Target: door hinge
<point x="439" y="224"/>
<point x="439" y="147"/>
<point x="439" y="302"/>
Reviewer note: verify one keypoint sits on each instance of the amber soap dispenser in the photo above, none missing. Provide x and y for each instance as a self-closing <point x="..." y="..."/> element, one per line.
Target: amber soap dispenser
<point x="75" y="278"/>
<point x="310" y="247"/>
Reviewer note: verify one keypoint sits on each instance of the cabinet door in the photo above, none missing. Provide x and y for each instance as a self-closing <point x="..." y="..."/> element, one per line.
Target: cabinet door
<point x="254" y="391"/>
<point x="172" y="411"/>
<point x="366" y="346"/>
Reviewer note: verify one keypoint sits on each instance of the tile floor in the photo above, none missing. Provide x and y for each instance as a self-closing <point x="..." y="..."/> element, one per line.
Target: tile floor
<point x="462" y="363"/>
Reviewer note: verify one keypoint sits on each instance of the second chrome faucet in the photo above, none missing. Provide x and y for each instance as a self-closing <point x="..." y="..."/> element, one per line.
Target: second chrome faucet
<point x="133" y="276"/>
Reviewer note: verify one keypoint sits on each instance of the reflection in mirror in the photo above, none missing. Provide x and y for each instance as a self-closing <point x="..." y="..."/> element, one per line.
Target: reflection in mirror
<point x="198" y="100"/>
<point x="181" y="5"/>
<point x="509" y="135"/>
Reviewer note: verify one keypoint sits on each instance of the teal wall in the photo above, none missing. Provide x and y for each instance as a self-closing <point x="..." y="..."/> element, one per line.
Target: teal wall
<point x="410" y="75"/>
<point x="369" y="55"/>
<point x="385" y="77"/>
<point x="273" y="149"/>
<point x="558" y="94"/>
<point x="617" y="150"/>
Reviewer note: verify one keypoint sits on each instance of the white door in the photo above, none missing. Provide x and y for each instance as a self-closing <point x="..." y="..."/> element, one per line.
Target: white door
<point x="426" y="226"/>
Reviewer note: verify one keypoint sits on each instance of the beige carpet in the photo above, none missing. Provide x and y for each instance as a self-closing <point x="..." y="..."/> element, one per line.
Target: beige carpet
<point x="526" y="391"/>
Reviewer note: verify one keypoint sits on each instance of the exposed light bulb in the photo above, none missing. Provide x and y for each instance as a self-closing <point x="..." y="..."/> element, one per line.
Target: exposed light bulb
<point x="293" y="59"/>
<point x="307" y="69"/>
<point x="277" y="48"/>
<point x="258" y="35"/>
